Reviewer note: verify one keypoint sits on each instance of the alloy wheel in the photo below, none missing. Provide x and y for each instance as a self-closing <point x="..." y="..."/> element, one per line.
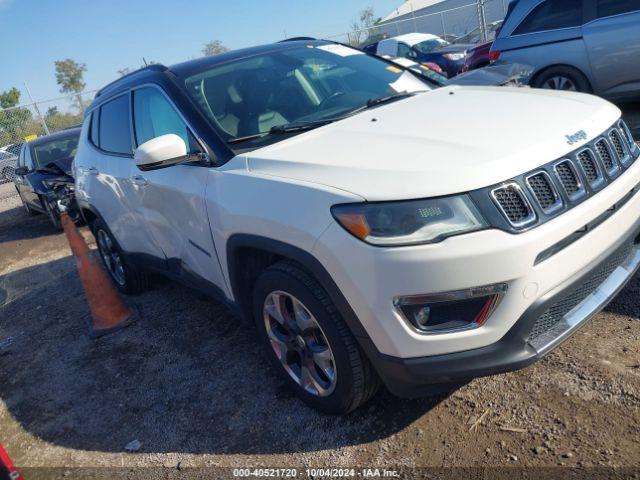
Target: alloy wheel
<point x="111" y="257"/>
<point x="299" y="343"/>
<point x="560" y="83"/>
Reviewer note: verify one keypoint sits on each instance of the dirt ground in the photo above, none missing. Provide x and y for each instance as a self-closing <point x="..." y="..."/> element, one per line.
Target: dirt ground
<point x="193" y="386"/>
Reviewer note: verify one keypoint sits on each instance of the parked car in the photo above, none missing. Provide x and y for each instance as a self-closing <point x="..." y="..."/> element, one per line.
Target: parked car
<point x="493" y="75"/>
<point x="584" y="45"/>
<point x="478" y="57"/>
<point x="424" y="47"/>
<point x="44" y="173"/>
<point x="7" y="166"/>
<point x="374" y="227"/>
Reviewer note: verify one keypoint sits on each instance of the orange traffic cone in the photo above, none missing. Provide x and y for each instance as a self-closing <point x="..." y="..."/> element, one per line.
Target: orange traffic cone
<point x="108" y="310"/>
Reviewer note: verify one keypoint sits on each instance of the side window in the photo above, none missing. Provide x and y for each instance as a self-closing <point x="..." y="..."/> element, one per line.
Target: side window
<point x="607" y="8"/>
<point x="94" y="132"/>
<point x="28" y="160"/>
<point x="403" y="50"/>
<point x="20" y="162"/>
<point x="154" y="116"/>
<point x="114" y="131"/>
<point x="552" y="15"/>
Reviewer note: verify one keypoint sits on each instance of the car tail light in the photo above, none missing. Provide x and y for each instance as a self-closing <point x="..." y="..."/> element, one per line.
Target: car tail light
<point x="451" y="311"/>
<point x="494" y="55"/>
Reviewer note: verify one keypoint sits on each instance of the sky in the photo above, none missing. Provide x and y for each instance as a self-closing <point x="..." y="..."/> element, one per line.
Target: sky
<point x="108" y="35"/>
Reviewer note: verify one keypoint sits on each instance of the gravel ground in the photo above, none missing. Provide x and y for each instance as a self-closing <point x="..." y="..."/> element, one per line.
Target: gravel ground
<point x="193" y="386"/>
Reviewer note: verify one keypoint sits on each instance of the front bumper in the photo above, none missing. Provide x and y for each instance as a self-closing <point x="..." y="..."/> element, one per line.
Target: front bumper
<point x="563" y="310"/>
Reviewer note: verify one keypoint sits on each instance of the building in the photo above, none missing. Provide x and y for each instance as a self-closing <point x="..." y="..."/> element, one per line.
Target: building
<point x="446" y="18"/>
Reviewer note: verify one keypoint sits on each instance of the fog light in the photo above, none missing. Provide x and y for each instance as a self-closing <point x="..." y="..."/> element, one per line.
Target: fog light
<point x="451" y="311"/>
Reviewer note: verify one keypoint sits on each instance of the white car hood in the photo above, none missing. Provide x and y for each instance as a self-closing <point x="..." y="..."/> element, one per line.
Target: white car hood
<point x="449" y="140"/>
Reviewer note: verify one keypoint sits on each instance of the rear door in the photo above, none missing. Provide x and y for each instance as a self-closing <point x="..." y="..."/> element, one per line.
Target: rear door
<point x="172" y="199"/>
<point x="612" y="39"/>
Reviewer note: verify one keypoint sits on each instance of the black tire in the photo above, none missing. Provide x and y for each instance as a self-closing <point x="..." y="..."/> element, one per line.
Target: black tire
<point x="30" y="211"/>
<point x="569" y="75"/>
<point x="356" y="381"/>
<point x="132" y="280"/>
<point x="53" y="215"/>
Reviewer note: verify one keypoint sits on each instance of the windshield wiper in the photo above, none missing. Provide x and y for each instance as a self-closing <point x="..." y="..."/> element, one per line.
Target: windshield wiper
<point x="278" y="129"/>
<point x="302" y="126"/>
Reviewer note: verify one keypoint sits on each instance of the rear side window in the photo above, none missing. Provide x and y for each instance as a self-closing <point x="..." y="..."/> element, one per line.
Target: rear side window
<point x="552" y="15"/>
<point x="607" y="8"/>
<point x="114" y="131"/>
<point x="95" y="118"/>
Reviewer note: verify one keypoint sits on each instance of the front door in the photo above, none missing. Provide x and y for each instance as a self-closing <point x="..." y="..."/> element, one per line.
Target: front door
<point x="172" y="199"/>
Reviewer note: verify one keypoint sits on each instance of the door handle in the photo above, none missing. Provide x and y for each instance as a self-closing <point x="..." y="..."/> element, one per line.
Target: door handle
<point x="92" y="171"/>
<point x="139" y="180"/>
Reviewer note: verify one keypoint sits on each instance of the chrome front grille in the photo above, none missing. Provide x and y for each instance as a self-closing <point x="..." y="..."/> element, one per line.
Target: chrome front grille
<point x="544" y="191"/>
<point x="569" y="179"/>
<point x="589" y="166"/>
<point x="626" y="132"/>
<point x="618" y="146"/>
<point x="514" y="204"/>
<point x="602" y="147"/>
<point x="535" y="197"/>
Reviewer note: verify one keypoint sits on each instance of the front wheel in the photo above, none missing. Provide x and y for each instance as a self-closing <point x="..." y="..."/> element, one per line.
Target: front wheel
<point x="127" y="278"/>
<point x="53" y="214"/>
<point x="309" y="343"/>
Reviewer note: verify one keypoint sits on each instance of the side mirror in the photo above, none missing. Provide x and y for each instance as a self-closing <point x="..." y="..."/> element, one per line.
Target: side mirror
<point x="21" y="171"/>
<point x="160" y="152"/>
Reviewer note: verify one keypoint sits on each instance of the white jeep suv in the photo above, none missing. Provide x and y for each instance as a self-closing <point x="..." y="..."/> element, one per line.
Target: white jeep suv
<point x="376" y="228"/>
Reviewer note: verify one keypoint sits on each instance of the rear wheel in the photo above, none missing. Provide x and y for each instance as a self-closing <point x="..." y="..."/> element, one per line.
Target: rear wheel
<point x="309" y="343"/>
<point x="127" y="278"/>
<point x="562" y="78"/>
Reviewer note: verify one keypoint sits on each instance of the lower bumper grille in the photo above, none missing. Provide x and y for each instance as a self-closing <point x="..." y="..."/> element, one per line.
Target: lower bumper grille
<point x="556" y="313"/>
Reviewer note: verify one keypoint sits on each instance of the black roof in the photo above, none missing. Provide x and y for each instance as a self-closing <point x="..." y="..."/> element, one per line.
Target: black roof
<point x="184" y="69"/>
<point x="69" y="132"/>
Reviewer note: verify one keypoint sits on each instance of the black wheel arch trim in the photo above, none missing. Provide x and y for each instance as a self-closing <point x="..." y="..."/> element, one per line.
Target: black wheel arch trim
<point x="305" y="259"/>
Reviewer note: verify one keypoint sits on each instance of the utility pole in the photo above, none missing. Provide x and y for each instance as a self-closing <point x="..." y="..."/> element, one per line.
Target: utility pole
<point x="482" y="20"/>
<point x="35" y="106"/>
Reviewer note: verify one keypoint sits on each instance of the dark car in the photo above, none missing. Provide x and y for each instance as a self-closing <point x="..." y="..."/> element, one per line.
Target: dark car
<point x="44" y="173"/>
<point x="478" y="57"/>
<point x="426" y="48"/>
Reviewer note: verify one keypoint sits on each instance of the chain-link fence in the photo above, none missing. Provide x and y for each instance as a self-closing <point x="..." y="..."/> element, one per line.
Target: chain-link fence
<point x="26" y="122"/>
<point x="470" y="23"/>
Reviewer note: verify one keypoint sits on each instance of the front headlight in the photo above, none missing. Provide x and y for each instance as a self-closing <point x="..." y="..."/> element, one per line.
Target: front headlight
<point x="455" y="56"/>
<point x="410" y="222"/>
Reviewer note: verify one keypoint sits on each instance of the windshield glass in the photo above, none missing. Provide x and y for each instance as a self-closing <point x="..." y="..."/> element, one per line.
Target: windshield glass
<point x="55" y="150"/>
<point x="429" y="46"/>
<point x="303" y="84"/>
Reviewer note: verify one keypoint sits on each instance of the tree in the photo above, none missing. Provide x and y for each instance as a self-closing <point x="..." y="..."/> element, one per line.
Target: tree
<point x="69" y="75"/>
<point x="10" y="98"/>
<point x="363" y="27"/>
<point x="124" y="71"/>
<point x="214" y="47"/>
<point x="15" y="122"/>
<point x="51" y="112"/>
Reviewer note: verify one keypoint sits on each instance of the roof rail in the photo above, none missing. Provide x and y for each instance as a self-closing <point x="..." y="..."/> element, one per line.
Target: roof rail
<point x="155" y="67"/>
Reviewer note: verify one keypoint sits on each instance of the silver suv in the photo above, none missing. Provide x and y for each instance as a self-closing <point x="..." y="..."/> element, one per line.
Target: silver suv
<point x="584" y="45"/>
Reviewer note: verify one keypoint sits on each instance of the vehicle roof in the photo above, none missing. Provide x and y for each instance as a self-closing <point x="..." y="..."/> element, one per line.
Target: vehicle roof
<point x="412" y="39"/>
<point x="55" y="136"/>
<point x="185" y="69"/>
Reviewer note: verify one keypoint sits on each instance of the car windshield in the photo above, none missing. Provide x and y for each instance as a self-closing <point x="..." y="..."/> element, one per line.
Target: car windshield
<point x="304" y="85"/>
<point x="429" y="46"/>
<point x="55" y="150"/>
